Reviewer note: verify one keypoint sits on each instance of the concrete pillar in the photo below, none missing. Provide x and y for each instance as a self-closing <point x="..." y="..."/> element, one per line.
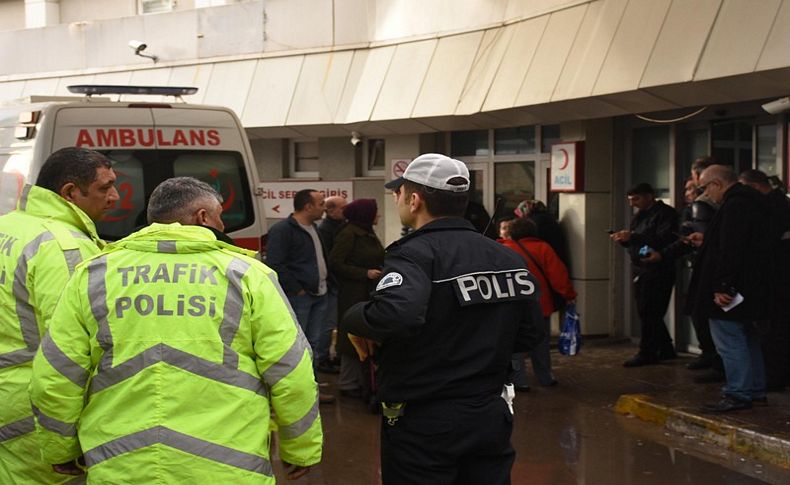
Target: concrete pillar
<point x="585" y="217"/>
<point x="41" y="13"/>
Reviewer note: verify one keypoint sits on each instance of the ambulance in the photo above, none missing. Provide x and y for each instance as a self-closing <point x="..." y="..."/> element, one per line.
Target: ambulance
<point x="148" y="143"/>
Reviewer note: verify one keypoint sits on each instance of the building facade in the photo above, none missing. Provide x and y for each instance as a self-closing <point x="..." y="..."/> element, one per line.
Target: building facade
<point x="347" y="90"/>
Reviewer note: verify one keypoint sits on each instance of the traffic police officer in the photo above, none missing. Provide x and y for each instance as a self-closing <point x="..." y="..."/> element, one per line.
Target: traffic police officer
<point x="41" y="242"/>
<point x="170" y="353"/>
<point x="449" y="311"/>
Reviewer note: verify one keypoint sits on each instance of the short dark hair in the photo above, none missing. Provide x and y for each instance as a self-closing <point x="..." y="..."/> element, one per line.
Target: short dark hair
<point x="440" y="203"/>
<point x="177" y="198"/>
<point x="523" y="227"/>
<point x="302" y="198"/>
<point x="71" y="165"/>
<point x="641" y="189"/>
<point x="701" y="163"/>
<point x="755" y="177"/>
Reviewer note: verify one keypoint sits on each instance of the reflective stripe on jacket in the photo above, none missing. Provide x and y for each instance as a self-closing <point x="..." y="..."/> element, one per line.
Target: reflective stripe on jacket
<point x="165" y="361"/>
<point x="40" y="245"/>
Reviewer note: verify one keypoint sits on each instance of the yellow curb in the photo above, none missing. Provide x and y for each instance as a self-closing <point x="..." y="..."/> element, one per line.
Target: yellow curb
<point x="741" y="440"/>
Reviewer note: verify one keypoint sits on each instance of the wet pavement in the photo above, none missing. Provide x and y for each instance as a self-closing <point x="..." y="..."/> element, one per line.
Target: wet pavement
<point x="571" y="433"/>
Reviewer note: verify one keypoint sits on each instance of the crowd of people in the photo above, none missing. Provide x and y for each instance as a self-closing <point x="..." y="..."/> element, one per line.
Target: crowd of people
<point x="171" y="355"/>
<point x="734" y="234"/>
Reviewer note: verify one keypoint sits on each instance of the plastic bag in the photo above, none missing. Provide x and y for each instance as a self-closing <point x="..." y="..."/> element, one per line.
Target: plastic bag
<point x="570" y="340"/>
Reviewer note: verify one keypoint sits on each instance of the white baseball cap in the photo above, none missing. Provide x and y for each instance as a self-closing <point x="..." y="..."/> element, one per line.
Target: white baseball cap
<point x="434" y="170"/>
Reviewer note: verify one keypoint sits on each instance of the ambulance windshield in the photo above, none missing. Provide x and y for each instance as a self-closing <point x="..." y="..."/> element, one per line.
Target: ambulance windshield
<point x="140" y="171"/>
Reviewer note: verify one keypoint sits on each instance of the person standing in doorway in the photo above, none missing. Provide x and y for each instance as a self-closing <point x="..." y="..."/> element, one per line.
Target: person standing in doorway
<point x="653" y="227"/>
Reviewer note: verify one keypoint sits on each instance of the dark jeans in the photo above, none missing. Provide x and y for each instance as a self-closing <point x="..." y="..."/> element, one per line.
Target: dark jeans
<point x="449" y="443"/>
<point x="652" y="292"/>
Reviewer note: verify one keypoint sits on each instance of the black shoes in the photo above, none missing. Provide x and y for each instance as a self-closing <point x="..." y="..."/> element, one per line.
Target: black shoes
<point x="640" y="360"/>
<point x="727" y="405"/>
<point x="524" y="388"/>
<point x="701" y="362"/>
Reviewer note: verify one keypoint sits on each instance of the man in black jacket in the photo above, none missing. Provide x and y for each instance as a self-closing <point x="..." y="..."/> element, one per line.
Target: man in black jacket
<point x="776" y="341"/>
<point x="451" y="308"/>
<point x="731" y="283"/>
<point x="653" y="228"/>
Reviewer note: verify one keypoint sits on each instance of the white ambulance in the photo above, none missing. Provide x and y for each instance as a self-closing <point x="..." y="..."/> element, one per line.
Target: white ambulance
<point x="148" y="142"/>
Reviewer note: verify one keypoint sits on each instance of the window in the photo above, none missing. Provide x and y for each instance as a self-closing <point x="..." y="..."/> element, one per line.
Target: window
<point x="732" y="144"/>
<point x="155" y="6"/>
<point x="304" y="158"/>
<point x="469" y="143"/>
<point x="549" y="134"/>
<point x="766" y="149"/>
<point x="140" y="171"/>
<point x="514" y="141"/>
<point x="374" y="162"/>
<point x="650" y="162"/>
<point x="514" y="182"/>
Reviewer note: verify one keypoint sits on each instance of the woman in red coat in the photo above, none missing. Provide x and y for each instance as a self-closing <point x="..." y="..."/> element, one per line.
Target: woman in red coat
<point x="547" y="268"/>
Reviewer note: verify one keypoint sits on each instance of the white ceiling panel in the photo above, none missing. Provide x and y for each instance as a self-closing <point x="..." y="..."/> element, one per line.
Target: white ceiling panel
<point x="630" y="50"/>
<point x="738" y="38"/>
<point x="447" y="75"/>
<point x="404" y="79"/>
<point x="680" y="42"/>
<point x="589" y="49"/>
<point x="365" y="78"/>
<point x="515" y="63"/>
<point x="272" y="90"/>
<point x="550" y="56"/>
<point x="484" y="68"/>
<point x="41" y="87"/>
<point x="11" y="90"/>
<point x="319" y="88"/>
<point x="229" y="84"/>
<point x="777" y="47"/>
<point x="197" y="76"/>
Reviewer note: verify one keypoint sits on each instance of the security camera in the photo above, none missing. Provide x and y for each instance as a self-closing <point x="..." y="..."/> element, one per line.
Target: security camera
<point x="356" y="138"/>
<point x="778" y="106"/>
<point x="137" y="46"/>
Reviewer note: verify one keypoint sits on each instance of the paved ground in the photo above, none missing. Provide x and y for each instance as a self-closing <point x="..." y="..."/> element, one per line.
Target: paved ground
<point x="572" y="434"/>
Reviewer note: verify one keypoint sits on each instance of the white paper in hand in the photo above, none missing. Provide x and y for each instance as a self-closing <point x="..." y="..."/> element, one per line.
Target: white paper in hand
<point x="736" y="300"/>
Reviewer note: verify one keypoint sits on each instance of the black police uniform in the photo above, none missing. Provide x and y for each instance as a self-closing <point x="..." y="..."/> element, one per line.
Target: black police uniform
<point x="450" y="309"/>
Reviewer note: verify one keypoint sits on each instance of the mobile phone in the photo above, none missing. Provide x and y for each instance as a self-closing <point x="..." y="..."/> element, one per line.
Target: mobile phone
<point x="610" y="231"/>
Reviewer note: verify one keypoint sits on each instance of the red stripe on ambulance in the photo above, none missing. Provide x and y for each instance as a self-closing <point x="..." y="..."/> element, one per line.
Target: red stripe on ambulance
<point x="146" y="137"/>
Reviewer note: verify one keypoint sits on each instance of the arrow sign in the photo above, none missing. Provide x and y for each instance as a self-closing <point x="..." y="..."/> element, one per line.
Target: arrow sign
<point x="276" y="208"/>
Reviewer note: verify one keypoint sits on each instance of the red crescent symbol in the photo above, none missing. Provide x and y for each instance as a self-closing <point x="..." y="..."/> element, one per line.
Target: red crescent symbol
<point x="230" y="199"/>
<point x="565" y="159"/>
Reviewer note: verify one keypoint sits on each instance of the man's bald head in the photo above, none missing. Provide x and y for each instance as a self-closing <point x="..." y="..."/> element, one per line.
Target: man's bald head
<point x="716" y="180"/>
<point x="334" y="207"/>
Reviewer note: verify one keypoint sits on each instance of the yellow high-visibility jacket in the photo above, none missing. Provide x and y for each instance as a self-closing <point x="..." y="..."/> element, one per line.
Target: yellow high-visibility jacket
<point x="167" y="358"/>
<point x="40" y="245"/>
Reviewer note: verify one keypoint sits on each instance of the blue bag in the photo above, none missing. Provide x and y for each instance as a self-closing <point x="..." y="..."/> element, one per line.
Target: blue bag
<point x="570" y="332"/>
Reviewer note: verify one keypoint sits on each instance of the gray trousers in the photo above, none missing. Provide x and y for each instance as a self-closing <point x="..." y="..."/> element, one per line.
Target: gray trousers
<point x="540" y="357"/>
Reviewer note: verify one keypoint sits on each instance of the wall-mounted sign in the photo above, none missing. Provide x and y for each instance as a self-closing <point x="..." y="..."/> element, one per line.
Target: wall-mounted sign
<point x="278" y="197"/>
<point x="567" y="167"/>
<point x="399" y="166"/>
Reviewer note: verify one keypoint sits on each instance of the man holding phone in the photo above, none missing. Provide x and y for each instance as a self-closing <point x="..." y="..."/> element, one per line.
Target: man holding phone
<point x="653" y="227"/>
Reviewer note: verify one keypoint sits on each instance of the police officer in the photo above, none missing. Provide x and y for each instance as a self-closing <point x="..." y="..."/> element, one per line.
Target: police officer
<point x="449" y="311"/>
<point x="170" y="353"/>
<point x="41" y="242"/>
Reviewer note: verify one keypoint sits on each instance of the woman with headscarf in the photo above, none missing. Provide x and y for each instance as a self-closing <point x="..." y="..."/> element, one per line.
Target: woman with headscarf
<point x="355" y="260"/>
